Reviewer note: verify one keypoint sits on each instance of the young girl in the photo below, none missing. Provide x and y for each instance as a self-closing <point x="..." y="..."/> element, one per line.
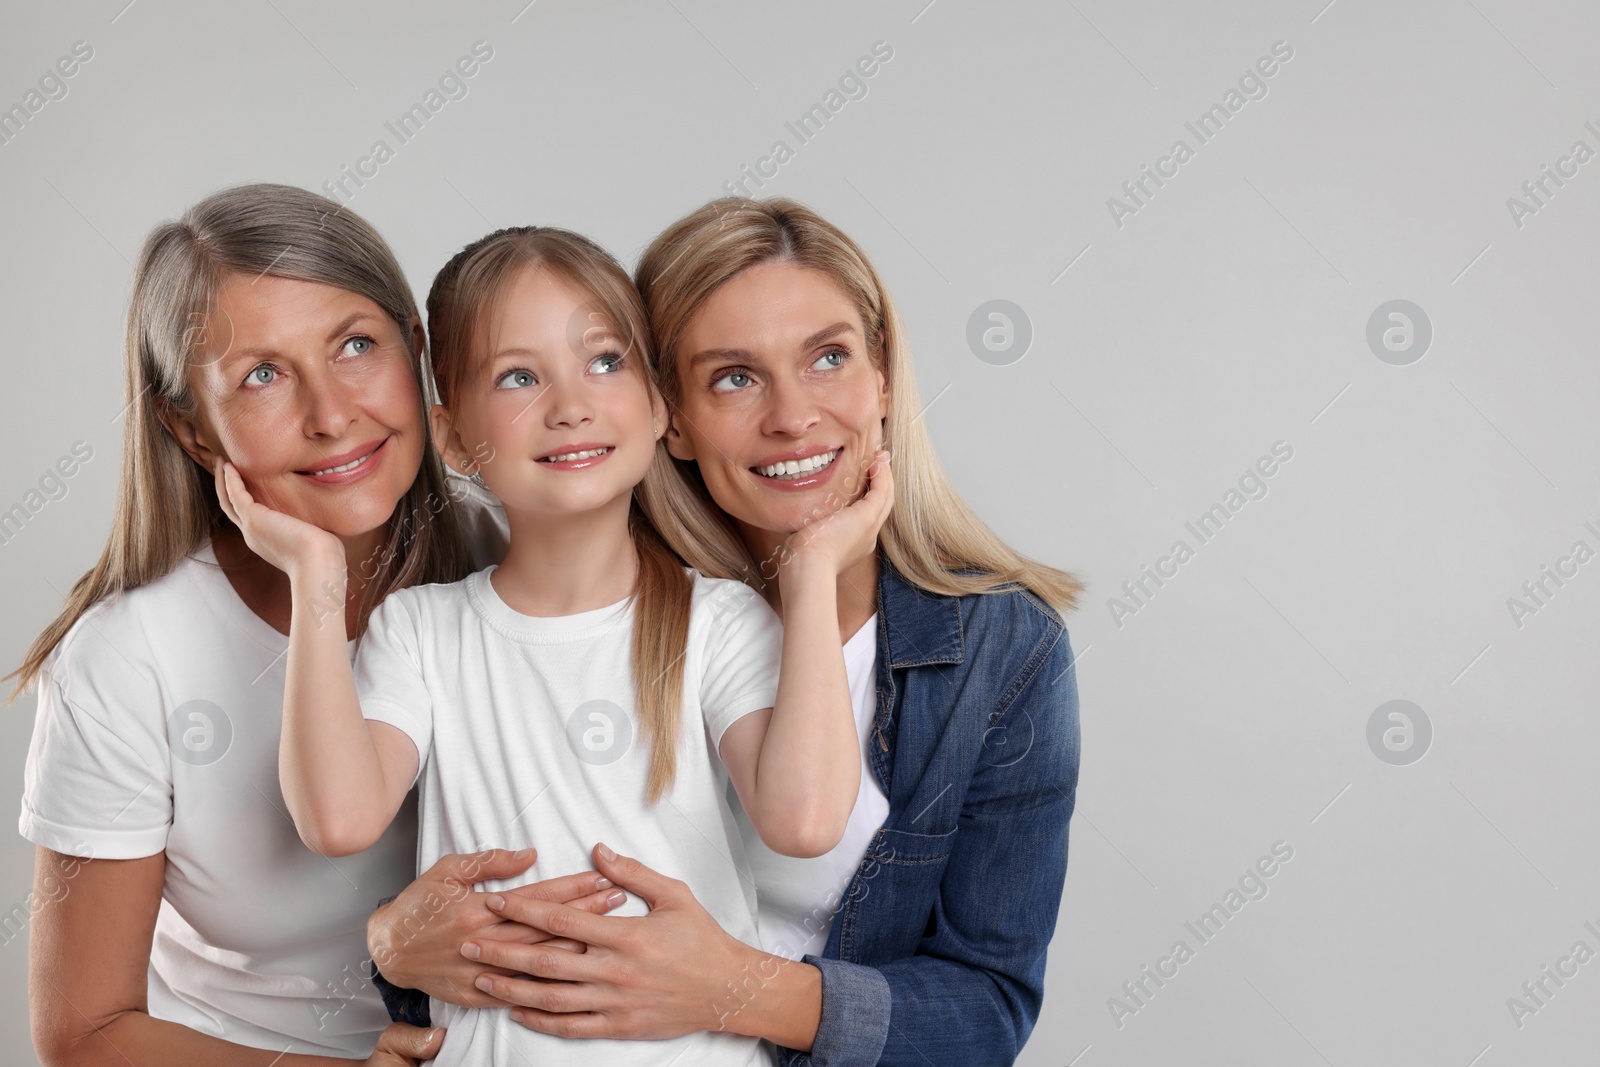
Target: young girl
<point x="589" y="687"/>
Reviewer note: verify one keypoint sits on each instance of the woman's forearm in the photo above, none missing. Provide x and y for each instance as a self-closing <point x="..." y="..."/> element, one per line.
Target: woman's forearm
<point x="774" y="998"/>
<point x="88" y="962"/>
<point x="137" y="1038"/>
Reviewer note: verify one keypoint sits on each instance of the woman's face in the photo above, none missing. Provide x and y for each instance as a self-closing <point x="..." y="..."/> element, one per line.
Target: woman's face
<point x="308" y="390"/>
<point x="558" y="415"/>
<point x="780" y="406"/>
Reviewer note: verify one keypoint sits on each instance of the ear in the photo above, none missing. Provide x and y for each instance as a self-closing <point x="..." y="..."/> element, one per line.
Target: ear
<point x="447" y="441"/>
<point x="678" y="446"/>
<point x="659" y="416"/>
<point x="419" y="339"/>
<point x="190" y="437"/>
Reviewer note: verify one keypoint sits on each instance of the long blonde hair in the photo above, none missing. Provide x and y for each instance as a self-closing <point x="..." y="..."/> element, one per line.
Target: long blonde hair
<point x="932" y="536"/>
<point x="460" y="310"/>
<point x="166" y="504"/>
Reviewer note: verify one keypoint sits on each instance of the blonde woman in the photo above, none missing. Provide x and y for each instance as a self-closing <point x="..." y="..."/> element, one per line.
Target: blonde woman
<point x="184" y="922"/>
<point x="921" y="937"/>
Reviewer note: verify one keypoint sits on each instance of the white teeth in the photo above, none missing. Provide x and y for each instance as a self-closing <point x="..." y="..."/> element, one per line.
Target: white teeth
<point x="792" y="468"/>
<point x="567" y="457"/>
<point x="352" y="465"/>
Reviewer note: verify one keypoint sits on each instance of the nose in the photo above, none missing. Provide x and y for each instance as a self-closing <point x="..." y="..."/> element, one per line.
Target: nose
<point x="791" y="410"/>
<point x="328" y="407"/>
<point x="567" y="403"/>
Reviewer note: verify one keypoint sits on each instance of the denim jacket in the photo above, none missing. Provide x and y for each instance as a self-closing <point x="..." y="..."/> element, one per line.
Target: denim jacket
<point x="937" y="951"/>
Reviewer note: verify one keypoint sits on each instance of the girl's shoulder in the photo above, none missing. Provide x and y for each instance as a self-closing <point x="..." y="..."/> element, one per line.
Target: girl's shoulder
<point x="429" y="600"/>
<point x="714" y="597"/>
<point x="440" y="592"/>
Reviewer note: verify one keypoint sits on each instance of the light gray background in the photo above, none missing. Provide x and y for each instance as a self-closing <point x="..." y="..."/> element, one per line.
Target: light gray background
<point x="1229" y="313"/>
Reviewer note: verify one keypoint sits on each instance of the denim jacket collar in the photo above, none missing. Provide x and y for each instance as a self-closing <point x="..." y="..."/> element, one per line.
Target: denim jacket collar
<point x="916" y="627"/>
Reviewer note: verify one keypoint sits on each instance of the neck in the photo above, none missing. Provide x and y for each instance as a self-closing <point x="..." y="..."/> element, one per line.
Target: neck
<point x="564" y="564"/>
<point x="265" y="589"/>
<point x="856" y="589"/>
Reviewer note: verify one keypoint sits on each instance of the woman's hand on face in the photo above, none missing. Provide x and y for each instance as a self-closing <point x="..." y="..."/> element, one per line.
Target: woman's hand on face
<point x="653" y="976"/>
<point x="405" y="1046"/>
<point x="282" y="540"/>
<point x="416" y="939"/>
<point x="840" y="539"/>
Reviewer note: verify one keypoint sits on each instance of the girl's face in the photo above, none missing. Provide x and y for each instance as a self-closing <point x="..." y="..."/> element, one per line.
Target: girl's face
<point x="781" y="406"/>
<point x="309" y="390"/>
<point x="559" y="417"/>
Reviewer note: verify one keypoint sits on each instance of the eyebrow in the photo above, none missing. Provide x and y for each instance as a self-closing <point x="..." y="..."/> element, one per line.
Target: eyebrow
<point x="712" y="355"/>
<point x="518" y="351"/>
<point x="333" y="335"/>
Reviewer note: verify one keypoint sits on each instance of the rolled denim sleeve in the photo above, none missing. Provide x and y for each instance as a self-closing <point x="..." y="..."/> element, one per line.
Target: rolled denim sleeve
<point x="856" y="1003"/>
<point x="973" y="990"/>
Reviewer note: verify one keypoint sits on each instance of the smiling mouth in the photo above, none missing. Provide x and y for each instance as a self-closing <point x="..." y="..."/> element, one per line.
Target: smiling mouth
<point x="798" y="468"/>
<point x="341" y="468"/>
<point x="568" y="457"/>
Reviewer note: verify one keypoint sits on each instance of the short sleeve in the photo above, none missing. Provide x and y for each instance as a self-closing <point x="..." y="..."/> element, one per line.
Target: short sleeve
<point x="98" y="780"/>
<point x="743" y="650"/>
<point x="388" y="669"/>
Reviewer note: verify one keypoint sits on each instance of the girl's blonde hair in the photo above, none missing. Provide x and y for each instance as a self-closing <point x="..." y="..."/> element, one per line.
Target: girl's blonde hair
<point x="460" y="317"/>
<point x="932" y="536"/>
<point x="166" y="503"/>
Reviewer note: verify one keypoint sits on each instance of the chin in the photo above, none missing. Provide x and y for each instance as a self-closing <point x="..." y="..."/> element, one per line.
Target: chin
<point x="345" y="527"/>
<point x="797" y="516"/>
<point x="357" y="518"/>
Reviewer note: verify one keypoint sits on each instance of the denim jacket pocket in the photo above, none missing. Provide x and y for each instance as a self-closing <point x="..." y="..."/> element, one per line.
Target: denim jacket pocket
<point x="900" y="871"/>
<point x="903" y="847"/>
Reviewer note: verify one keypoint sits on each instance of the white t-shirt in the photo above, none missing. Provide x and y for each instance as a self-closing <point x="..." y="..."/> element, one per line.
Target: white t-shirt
<point x="157" y="729"/>
<point x="797" y="898"/>
<point x="526" y="733"/>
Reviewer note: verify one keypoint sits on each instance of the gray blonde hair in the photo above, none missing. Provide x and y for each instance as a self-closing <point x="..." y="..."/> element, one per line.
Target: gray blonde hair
<point x="166" y="504"/>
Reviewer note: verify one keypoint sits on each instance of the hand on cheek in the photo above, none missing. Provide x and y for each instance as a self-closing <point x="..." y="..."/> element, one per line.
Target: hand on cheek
<point x="288" y="543"/>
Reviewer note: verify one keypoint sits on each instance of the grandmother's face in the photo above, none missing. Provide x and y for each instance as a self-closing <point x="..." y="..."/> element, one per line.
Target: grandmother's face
<point x="780" y="404"/>
<point x="308" y="390"/>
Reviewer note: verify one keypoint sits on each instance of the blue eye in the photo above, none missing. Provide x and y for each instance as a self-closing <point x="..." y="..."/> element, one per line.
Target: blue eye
<point x="365" y="342"/>
<point x="836" y="355"/>
<point x="610" y="363"/>
<point x="730" y="382"/>
<point x="515" y="379"/>
<point x="265" y="368"/>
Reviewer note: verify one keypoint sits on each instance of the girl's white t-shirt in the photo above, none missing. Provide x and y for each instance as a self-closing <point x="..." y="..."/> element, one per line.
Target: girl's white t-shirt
<point x="527" y="735"/>
<point x="798" y="897"/>
<point x="157" y="730"/>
